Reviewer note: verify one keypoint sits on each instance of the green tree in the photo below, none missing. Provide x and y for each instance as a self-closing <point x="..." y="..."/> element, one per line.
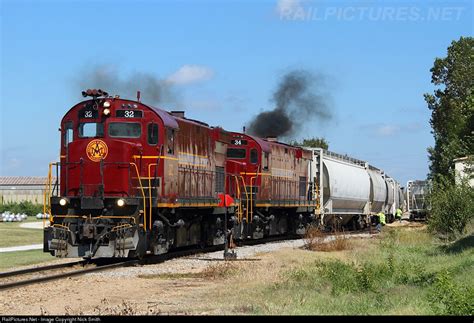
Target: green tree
<point x="452" y="106"/>
<point x="452" y="208"/>
<point x="315" y="142"/>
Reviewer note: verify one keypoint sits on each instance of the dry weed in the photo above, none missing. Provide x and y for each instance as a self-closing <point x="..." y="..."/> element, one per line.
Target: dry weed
<point x="316" y="240"/>
<point x="221" y="270"/>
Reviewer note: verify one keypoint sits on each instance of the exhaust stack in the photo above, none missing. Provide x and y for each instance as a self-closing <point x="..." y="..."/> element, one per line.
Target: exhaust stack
<point x="178" y="114"/>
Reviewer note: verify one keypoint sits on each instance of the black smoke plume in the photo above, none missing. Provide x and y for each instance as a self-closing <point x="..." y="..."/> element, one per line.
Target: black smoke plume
<point x="299" y="99"/>
<point x="153" y="90"/>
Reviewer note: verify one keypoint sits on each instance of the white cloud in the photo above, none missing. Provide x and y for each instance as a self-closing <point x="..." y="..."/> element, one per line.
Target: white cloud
<point x="190" y="74"/>
<point x="387" y="130"/>
<point x="286" y="7"/>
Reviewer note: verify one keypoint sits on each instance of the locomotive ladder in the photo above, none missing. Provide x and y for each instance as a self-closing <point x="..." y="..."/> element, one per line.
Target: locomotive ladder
<point x="316" y="195"/>
<point x="239" y="210"/>
<point x="48" y="191"/>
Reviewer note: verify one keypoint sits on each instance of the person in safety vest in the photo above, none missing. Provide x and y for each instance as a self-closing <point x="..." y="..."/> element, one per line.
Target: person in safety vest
<point x="381" y="221"/>
<point x="398" y="214"/>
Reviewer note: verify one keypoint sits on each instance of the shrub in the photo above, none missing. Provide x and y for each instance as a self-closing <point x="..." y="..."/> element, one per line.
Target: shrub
<point x="340" y="275"/>
<point x="26" y="207"/>
<point x="448" y="298"/>
<point x="452" y="208"/>
<point x="352" y="277"/>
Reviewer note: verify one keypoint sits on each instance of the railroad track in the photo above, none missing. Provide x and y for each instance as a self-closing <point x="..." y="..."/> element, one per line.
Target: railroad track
<point x="9" y="274"/>
<point x="101" y="265"/>
<point x="107" y="264"/>
<point x="35" y="280"/>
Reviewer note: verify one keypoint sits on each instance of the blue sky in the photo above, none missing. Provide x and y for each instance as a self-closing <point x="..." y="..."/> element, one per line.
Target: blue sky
<point x="224" y="60"/>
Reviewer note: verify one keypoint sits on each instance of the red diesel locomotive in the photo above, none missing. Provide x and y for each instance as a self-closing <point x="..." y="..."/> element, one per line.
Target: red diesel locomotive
<point x="137" y="180"/>
<point x="276" y="190"/>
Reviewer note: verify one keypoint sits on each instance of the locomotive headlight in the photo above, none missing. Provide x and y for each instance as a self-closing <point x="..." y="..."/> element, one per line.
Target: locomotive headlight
<point x="106" y="111"/>
<point x="120" y="202"/>
<point x="63" y="202"/>
<point x="107" y="104"/>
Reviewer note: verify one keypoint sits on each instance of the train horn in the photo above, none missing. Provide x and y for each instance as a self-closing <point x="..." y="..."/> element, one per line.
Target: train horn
<point x="94" y="93"/>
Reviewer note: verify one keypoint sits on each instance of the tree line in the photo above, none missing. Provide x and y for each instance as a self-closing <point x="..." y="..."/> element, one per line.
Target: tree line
<point x="452" y="122"/>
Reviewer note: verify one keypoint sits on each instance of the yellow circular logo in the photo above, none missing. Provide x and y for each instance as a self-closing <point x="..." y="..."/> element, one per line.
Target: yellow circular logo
<point x="97" y="150"/>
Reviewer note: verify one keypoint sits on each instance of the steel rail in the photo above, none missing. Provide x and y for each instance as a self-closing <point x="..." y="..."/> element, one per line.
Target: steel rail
<point x="65" y="275"/>
<point x="8" y="274"/>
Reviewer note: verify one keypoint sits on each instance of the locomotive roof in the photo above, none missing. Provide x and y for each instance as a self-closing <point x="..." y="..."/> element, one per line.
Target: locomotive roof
<point x="168" y="120"/>
<point x="262" y="143"/>
<point x="283" y="144"/>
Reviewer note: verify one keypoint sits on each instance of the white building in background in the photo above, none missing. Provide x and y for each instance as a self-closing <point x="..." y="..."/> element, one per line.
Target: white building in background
<point x="464" y="168"/>
<point x="22" y="188"/>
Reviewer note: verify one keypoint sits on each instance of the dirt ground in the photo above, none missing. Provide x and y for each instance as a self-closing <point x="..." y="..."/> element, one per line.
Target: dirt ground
<point x="184" y="292"/>
<point x="408" y="224"/>
<point x="183" y="287"/>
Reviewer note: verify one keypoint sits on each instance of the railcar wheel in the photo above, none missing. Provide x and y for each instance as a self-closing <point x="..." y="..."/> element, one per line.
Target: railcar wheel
<point x="358" y="222"/>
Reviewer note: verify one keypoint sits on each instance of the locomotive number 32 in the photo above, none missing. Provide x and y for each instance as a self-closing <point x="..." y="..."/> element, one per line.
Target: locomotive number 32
<point x="129" y="114"/>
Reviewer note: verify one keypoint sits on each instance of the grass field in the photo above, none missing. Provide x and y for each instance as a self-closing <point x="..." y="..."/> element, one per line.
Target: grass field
<point x="11" y="234"/>
<point x="9" y="260"/>
<point x="405" y="272"/>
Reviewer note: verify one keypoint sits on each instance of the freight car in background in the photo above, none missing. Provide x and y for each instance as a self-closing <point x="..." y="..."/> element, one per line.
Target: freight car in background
<point x="349" y="191"/>
<point x="417" y="199"/>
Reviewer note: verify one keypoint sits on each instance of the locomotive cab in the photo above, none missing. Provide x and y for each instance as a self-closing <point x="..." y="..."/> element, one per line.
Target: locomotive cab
<point x="99" y="204"/>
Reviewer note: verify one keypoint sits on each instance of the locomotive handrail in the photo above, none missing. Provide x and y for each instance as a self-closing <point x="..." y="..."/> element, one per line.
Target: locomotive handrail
<point x="239" y="205"/>
<point x="251" y="197"/>
<point x="251" y="192"/>
<point x="61" y="226"/>
<point x="190" y="192"/>
<point x="47" y="194"/>
<point x="143" y="193"/>
<point x="117" y="227"/>
<point x="68" y="216"/>
<point x="246" y="200"/>
<point x="149" y="190"/>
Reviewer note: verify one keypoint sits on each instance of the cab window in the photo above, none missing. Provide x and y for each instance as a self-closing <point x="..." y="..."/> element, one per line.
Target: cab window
<point x="253" y="156"/>
<point x="170" y="135"/>
<point x="68" y="133"/>
<point x="125" y="130"/>
<point x="237" y="153"/>
<point x="152" y="134"/>
<point x="91" y="129"/>
<point x="265" y="161"/>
